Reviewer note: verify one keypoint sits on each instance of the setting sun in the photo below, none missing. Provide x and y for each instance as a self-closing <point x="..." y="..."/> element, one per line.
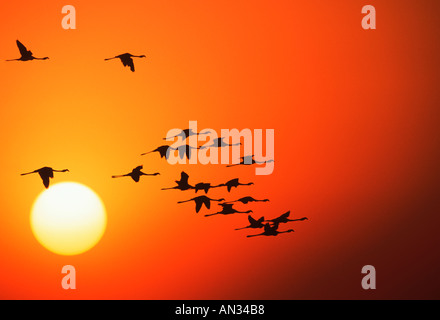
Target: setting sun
<point x="68" y="218"/>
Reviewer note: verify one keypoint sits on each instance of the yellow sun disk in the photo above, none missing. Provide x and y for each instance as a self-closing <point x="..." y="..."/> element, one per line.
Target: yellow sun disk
<point x="68" y="218"/>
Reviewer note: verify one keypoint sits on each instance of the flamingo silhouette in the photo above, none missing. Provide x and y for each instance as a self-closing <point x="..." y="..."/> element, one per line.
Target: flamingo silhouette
<point x="284" y="218"/>
<point x="227" y="209"/>
<point x="26" y="55"/>
<point x="246" y="200"/>
<point x="184" y="150"/>
<point x="136" y="173"/>
<point x="270" y="231"/>
<point x="218" y="143"/>
<point x="164" y="151"/>
<point x="234" y="183"/>
<point x="247" y="161"/>
<point x="126" y="59"/>
<point x="46" y="173"/>
<point x="182" y="184"/>
<point x="256" y="224"/>
<point x="202" y="200"/>
<point x="186" y="133"/>
<point x="204" y="186"/>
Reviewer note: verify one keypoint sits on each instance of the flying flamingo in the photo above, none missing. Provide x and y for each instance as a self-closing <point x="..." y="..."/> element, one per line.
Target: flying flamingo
<point x="234" y="183"/>
<point x="126" y="59"/>
<point x="246" y="200"/>
<point x="227" y="209"/>
<point x="46" y="173"/>
<point x="163" y="151"/>
<point x="247" y="161"/>
<point x="136" y="173"/>
<point x="284" y="218"/>
<point x="218" y="143"/>
<point x="270" y="231"/>
<point x="186" y="133"/>
<point x="184" y="150"/>
<point x="202" y="200"/>
<point x="256" y="224"/>
<point x="26" y="55"/>
<point x="182" y="184"/>
<point x="204" y="186"/>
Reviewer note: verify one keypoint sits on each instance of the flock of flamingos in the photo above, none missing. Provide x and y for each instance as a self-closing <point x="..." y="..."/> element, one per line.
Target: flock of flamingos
<point x="270" y="227"/>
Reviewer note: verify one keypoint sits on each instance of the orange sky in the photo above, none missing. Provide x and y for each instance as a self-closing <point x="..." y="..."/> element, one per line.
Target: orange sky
<point x="355" y="115"/>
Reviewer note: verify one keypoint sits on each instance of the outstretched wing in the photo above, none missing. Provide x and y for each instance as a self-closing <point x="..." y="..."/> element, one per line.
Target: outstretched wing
<point x="182" y="151"/>
<point x="164" y="151"/>
<point x="184" y="177"/>
<point x="198" y="205"/>
<point x="283" y="216"/>
<point x="45" y="181"/>
<point x="251" y="220"/>
<point x="131" y="64"/>
<point x="128" y="61"/>
<point x="207" y="202"/>
<point x="22" y="48"/>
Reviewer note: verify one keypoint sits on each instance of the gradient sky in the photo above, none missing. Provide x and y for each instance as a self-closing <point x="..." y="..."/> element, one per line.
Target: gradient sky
<point x="355" y="114"/>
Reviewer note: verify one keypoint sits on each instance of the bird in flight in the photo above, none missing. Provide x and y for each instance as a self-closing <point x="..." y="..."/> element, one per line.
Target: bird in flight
<point x="182" y="184"/>
<point x="202" y="200"/>
<point x="256" y="224"/>
<point x="186" y="133"/>
<point x="204" y="186"/>
<point x="234" y="183"/>
<point x="227" y="209"/>
<point x="218" y="143"/>
<point x="45" y="173"/>
<point x="184" y="150"/>
<point x="285" y="218"/>
<point x="126" y="59"/>
<point x="136" y="173"/>
<point x="246" y="200"/>
<point x="270" y="231"/>
<point x="248" y="160"/>
<point x="26" y="55"/>
<point x="164" y="151"/>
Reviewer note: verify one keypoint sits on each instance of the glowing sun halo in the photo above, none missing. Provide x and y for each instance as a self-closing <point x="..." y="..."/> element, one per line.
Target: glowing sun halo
<point x="68" y="218"/>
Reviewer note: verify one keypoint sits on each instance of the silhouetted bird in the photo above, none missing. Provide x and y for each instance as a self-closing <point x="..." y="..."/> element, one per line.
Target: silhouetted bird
<point x="182" y="184"/>
<point x="227" y="209"/>
<point x="246" y="200"/>
<point x="248" y="160"/>
<point x="234" y="183"/>
<point x="26" y="55"/>
<point x="46" y="173"/>
<point x="164" y="151"/>
<point x="204" y="186"/>
<point x="256" y="224"/>
<point x="126" y="59"/>
<point x="270" y="231"/>
<point x="186" y="133"/>
<point x="218" y="143"/>
<point x="284" y="218"/>
<point x="184" y="150"/>
<point x="200" y="200"/>
<point x="136" y="173"/>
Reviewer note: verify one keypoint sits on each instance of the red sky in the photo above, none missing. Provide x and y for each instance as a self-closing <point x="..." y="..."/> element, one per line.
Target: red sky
<point x="355" y="115"/>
